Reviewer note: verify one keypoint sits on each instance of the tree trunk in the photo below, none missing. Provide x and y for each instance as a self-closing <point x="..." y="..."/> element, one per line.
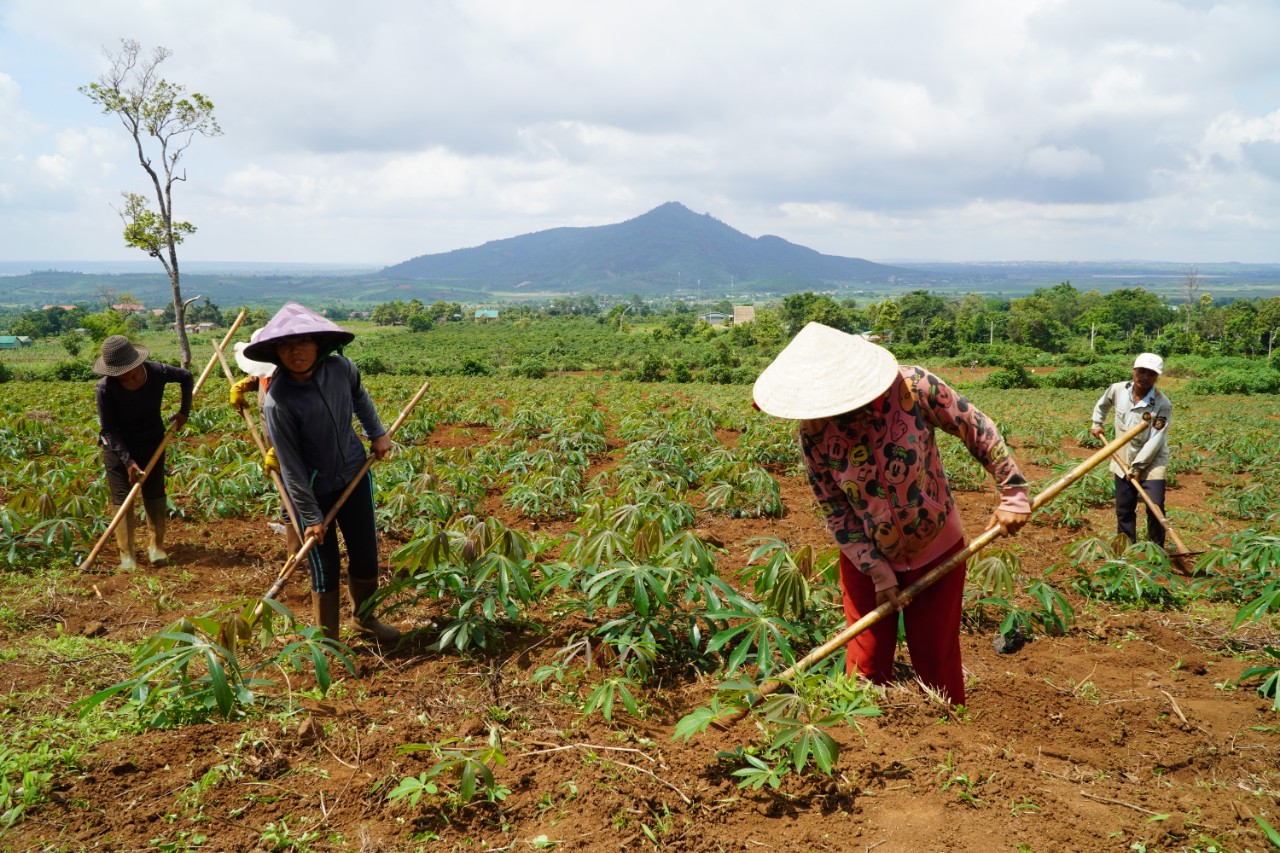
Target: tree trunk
<point x="179" y="309"/>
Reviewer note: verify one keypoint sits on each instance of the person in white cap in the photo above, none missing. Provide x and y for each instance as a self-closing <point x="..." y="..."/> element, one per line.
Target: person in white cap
<point x="867" y="432"/>
<point x="1147" y="455"/>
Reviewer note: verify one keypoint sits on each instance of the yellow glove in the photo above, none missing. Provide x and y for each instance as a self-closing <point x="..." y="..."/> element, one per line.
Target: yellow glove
<point x="238" y="390"/>
<point x="271" y="463"/>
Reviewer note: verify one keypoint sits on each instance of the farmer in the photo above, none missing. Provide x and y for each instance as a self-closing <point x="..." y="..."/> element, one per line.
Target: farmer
<point x="1148" y="453"/>
<point x="258" y="379"/>
<point x="867" y="434"/>
<point x="307" y="412"/>
<point x="131" y="427"/>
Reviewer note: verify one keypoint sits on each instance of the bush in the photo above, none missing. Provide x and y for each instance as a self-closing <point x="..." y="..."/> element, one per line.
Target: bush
<point x="1254" y="381"/>
<point x="718" y="375"/>
<point x="1093" y="376"/>
<point x="6" y="374"/>
<point x="72" y="371"/>
<point x="530" y="368"/>
<point x="474" y="367"/>
<point x="680" y="372"/>
<point x="372" y="365"/>
<point x="1013" y="376"/>
<point x="650" y="370"/>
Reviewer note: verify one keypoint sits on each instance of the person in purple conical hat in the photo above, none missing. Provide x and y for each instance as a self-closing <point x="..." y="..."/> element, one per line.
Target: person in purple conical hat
<point x="309" y="404"/>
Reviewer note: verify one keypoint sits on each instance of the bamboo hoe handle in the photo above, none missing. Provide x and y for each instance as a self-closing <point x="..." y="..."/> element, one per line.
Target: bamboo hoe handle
<point x="311" y="541"/>
<point x="842" y="639"/>
<point x="262" y="446"/>
<point x="1183" y="550"/>
<point x="127" y="506"/>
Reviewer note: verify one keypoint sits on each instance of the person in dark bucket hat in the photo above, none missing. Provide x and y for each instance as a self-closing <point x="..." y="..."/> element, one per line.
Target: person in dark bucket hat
<point x="309" y="404"/>
<point x="868" y="438"/>
<point x="130" y="396"/>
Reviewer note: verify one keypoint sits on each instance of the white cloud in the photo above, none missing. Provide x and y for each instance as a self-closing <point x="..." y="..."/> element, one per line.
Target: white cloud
<point x="928" y="128"/>
<point x="1052" y="162"/>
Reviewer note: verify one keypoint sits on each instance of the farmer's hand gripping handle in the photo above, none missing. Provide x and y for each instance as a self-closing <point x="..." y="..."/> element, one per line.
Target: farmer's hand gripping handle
<point x="842" y="639"/>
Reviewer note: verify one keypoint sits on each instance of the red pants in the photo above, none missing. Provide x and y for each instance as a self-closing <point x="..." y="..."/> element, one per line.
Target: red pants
<point x="932" y="621"/>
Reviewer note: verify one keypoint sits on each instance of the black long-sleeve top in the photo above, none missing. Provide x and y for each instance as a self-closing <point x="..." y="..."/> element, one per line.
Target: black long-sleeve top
<point x="132" y="420"/>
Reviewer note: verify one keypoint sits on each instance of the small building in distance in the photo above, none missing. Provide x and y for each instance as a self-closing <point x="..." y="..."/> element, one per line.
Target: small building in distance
<point x="484" y="315"/>
<point x="743" y="314"/>
<point x="715" y="318"/>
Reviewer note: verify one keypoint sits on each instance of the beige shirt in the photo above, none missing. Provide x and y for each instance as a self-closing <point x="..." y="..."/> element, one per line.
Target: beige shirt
<point x="1149" y="451"/>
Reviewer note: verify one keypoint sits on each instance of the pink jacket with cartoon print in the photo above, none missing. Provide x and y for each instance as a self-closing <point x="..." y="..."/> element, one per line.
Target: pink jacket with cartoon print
<point x="879" y="479"/>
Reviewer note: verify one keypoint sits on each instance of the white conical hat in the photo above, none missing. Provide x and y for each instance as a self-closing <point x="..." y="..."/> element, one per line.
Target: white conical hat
<point x="248" y="365"/>
<point x="824" y="372"/>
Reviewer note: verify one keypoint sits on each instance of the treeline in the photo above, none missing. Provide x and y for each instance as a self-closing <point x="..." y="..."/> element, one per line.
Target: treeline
<point x="117" y="317"/>
<point x="1082" y="338"/>
<point x="1059" y="319"/>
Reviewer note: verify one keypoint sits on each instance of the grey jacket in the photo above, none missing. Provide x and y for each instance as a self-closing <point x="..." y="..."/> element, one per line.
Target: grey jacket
<point x="309" y="424"/>
<point x="1148" y="454"/>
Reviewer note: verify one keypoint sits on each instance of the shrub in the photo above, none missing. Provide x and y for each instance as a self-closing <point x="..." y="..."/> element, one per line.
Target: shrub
<point x="530" y="368"/>
<point x="372" y="365"/>
<point x="718" y="375"/>
<point x="1093" y="376"/>
<point x="474" y="367"/>
<point x="650" y="370"/>
<point x="1237" y="381"/>
<point x="71" y="370"/>
<point x="6" y="374"/>
<point x="1013" y="376"/>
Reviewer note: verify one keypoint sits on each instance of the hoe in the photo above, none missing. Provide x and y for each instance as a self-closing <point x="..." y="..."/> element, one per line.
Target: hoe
<point x="841" y="639"/>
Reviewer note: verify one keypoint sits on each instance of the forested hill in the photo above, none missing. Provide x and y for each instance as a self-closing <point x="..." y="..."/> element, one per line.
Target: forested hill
<point x="670" y="248"/>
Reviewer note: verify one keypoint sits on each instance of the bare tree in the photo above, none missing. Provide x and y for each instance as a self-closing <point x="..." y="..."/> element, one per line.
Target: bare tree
<point x="162" y="120"/>
<point x="1191" y="285"/>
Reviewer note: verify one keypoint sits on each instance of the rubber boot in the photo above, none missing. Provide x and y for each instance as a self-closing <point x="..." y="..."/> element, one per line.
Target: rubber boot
<point x="364" y="622"/>
<point x="157" y="512"/>
<point x="124" y="540"/>
<point x="325" y="605"/>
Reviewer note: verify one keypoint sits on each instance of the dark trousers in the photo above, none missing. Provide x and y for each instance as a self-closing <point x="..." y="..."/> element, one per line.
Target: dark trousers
<point x="932" y="622"/>
<point x="359" y="534"/>
<point x="1127" y="509"/>
<point x="118" y="474"/>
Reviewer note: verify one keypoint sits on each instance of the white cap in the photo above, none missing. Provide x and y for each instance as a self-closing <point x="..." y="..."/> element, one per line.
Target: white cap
<point x="1150" y="361"/>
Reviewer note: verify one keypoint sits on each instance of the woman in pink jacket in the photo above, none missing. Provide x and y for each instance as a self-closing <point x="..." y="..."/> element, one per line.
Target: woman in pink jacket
<point x="867" y="430"/>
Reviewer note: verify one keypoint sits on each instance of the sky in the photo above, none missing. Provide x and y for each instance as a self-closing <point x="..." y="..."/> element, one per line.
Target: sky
<point x="891" y="130"/>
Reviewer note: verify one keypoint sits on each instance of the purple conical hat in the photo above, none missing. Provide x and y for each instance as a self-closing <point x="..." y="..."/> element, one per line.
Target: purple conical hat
<point x="293" y="320"/>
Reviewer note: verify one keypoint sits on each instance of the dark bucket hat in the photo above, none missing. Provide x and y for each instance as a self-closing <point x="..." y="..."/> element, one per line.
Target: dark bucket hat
<point x="293" y="320"/>
<point x="119" y="356"/>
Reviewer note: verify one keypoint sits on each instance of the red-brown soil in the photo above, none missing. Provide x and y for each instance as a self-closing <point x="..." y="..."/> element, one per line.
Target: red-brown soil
<point x="1123" y="735"/>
